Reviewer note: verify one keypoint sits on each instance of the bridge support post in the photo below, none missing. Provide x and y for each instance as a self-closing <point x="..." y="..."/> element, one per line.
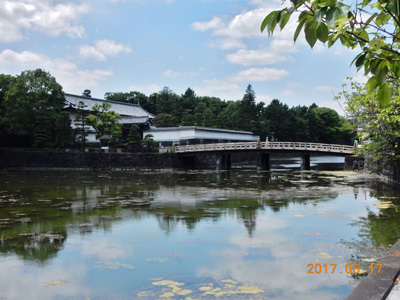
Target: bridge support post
<point x="263" y="161"/>
<point x="224" y="162"/>
<point x="305" y="161"/>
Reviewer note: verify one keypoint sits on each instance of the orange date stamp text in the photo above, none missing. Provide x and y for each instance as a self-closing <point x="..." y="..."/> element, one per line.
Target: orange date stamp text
<point x="332" y="268"/>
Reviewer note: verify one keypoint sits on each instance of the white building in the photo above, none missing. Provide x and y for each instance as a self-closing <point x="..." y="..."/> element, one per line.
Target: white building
<point x="197" y="135"/>
<point x="130" y="113"/>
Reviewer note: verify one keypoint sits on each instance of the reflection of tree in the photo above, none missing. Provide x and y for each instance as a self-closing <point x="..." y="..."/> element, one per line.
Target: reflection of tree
<point x="36" y="247"/>
<point x="382" y="228"/>
<point x="82" y="203"/>
<point x="378" y="231"/>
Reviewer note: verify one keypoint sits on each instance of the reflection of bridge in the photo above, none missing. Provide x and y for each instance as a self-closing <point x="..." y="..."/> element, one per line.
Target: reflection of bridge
<point x="224" y="150"/>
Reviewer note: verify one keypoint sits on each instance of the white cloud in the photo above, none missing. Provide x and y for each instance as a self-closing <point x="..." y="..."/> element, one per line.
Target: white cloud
<point x="214" y="23"/>
<point x="339" y="106"/>
<point x="243" y="25"/>
<point x="217" y="85"/>
<point x="102" y="49"/>
<point x="23" y="59"/>
<point x="247" y="24"/>
<point x="146" y="89"/>
<point x="220" y="88"/>
<point x="74" y="79"/>
<point x="227" y="44"/>
<point x="255" y="57"/>
<point x="324" y="88"/>
<point x="263" y="98"/>
<point x="259" y="74"/>
<point x="287" y="93"/>
<point x="40" y="15"/>
<point x="171" y="74"/>
<point x="67" y="73"/>
<point x="294" y="84"/>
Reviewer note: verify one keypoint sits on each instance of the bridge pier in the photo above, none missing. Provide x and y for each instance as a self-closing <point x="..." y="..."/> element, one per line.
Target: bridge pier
<point x="305" y="161"/>
<point x="263" y="161"/>
<point x="224" y="162"/>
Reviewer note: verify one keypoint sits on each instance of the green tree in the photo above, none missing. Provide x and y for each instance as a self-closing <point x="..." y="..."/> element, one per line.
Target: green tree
<point x="164" y="120"/>
<point x="373" y="26"/>
<point x="5" y="82"/>
<point x="32" y="107"/>
<point x="81" y="124"/>
<point x="63" y="134"/>
<point x="116" y="140"/>
<point x="327" y="126"/>
<point x="87" y="93"/>
<point x="131" y="97"/>
<point x="148" y="143"/>
<point x="378" y="128"/>
<point x="248" y="110"/>
<point x="278" y="117"/>
<point x="208" y="118"/>
<point x="103" y="120"/>
<point x="187" y="118"/>
<point x="134" y="139"/>
<point x="301" y="123"/>
<point x="188" y="100"/>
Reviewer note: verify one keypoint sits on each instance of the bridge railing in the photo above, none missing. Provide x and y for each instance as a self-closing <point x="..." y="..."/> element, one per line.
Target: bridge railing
<point x="266" y="145"/>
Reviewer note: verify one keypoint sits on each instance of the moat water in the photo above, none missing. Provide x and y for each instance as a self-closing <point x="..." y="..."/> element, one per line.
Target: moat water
<point x="238" y="234"/>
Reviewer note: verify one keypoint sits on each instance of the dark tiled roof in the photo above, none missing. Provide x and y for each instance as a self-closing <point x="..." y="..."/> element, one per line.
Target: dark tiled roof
<point x="130" y="113"/>
<point x="200" y="128"/>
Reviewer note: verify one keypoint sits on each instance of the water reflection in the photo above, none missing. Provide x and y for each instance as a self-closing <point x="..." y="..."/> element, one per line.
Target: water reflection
<point x="190" y="234"/>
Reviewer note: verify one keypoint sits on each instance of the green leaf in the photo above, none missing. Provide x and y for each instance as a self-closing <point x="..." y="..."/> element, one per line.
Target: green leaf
<point x="266" y="20"/>
<point x="371" y="84"/>
<point x="376" y="44"/>
<point x="363" y="34"/>
<point x="311" y="33"/>
<point x="332" y="15"/>
<point x="284" y="18"/>
<point x="298" y="29"/>
<point x="371" y="18"/>
<point x="319" y="15"/>
<point x="360" y="61"/>
<point x="366" y="2"/>
<point x="382" y="18"/>
<point x="392" y="7"/>
<point x="344" y="8"/>
<point x="381" y="72"/>
<point x="273" y="22"/>
<point x="384" y="94"/>
<point x="396" y="69"/>
<point x="322" y="32"/>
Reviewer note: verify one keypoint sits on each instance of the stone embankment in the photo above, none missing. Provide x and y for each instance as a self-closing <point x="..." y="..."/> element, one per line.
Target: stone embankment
<point x="112" y="161"/>
<point x="390" y="172"/>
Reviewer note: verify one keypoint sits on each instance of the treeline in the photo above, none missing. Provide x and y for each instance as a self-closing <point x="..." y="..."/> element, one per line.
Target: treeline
<point x="276" y="120"/>
<point x="32" y="114"/>
<point x="31" y="111"/>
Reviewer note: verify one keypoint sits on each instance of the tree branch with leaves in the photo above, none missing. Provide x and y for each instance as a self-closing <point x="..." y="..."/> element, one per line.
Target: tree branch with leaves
<point x="328" y="21"/>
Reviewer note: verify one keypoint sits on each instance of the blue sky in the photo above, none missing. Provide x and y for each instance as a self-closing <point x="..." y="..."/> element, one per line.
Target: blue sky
<point x="212" y="46"/>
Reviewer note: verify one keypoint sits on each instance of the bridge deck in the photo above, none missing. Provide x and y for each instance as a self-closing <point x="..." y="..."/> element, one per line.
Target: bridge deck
<point x="297" y="146"/>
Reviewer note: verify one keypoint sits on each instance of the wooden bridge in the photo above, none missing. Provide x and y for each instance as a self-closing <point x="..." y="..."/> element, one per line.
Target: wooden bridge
<point x="294" y="146"/>
<point x="223" y="151"/>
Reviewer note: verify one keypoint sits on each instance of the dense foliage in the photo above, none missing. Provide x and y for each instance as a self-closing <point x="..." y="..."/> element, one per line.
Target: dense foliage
<point x="373" y="26"/>
<point x="31" y="110"/>
<point x="32" y="114"/>
<point x="378" y="127"/>
<point x="276" y="120"/>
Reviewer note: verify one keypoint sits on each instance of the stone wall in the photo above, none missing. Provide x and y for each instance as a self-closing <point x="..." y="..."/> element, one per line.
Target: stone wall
<point x="89" y="161"/>
<point x="390" y="172"/>
<point x="354" y="163"/>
